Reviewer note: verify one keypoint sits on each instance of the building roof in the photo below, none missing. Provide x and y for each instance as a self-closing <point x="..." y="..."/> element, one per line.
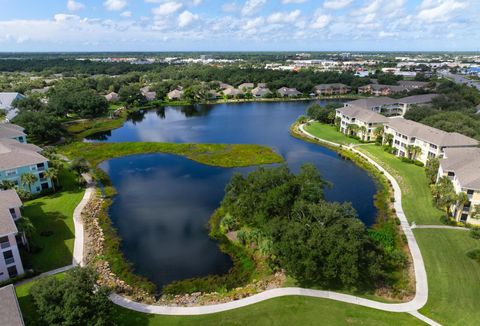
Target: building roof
<point x="429" y="134"/>
<point x="10" y="314"/>
<point x="112" y="96"/>
<point x="288" y="91"/>
<point x="363" y="115"/>
<point x="7" y="98"/>
<point x="465" y="163"/>
<point x="412" y="84"/>
<point x="246" y="86"/>
<point x="333" y="85"/>
<point x="417" y="99"/>
<point x="232" y="91"/>
<point x="371" y="102"/>
<point x="261" y="91"/>
<point x="176" y="93"/>
<point x="8" y="130"/>
<point x="8" y="199"/>
<point x="14" y="154"/>
<point x="379" y="87"/>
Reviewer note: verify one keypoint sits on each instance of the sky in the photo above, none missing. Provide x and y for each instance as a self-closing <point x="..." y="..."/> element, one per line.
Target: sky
<point x="239" y="25"/>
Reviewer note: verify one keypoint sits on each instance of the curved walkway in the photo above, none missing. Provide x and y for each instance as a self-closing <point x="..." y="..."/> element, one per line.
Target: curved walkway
<point x="421" y="293"/>
<point x="448" y="227"/>
<point x="78" y="224"/>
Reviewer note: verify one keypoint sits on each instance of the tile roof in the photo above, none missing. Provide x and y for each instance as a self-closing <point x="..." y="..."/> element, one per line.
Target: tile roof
<point x="362" y="114"/>
<point x="14" y="154"/>
<point x="371" y="102"/>
<point x="465" y="163"/>
<point x="417" y="99"/>
<point x="8" y="130"/>
<point x="8" y="199"/>
<point x="10" y="314"/>
<point x="429" y="134"/>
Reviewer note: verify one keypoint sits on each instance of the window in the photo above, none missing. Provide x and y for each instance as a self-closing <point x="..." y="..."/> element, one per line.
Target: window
<point x="12" y="271"/>
<point x="9" y="173"/>
<point x="8" y="256"/>
<point x="13" y="213"/>
<point x="470" y="192"/>
<point x="4" y="243"/>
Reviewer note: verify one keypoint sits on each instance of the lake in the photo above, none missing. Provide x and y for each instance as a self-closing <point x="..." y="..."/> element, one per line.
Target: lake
<point x="164" y="201"/>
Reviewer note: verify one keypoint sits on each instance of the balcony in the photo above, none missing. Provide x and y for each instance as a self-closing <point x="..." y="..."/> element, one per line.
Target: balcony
<point x="9" y="261"/>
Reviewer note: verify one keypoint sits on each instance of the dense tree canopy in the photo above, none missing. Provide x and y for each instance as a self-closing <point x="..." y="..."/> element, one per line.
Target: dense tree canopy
<point x="314" y="240"/>
<point x="74" y="300"/>
<point x="325" y="114"/>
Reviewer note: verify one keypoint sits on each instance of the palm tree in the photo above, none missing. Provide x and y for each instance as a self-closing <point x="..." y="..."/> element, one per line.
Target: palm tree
<point x="363" y="131"/>
<point x="389" y="139"/>
<point x="28" y="179"/>
<point x="27" y="229"/>
<point x="7" y="184"/>
<point x="413" y="151"/>
<point x="52" y="174"/>
<point x="352" y="130"/>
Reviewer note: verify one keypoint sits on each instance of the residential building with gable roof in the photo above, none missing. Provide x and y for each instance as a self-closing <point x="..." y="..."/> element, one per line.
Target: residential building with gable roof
<point x="462" y="166"/>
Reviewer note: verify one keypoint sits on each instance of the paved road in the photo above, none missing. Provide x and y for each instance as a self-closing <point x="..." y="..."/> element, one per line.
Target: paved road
<point x="459" y="79"/>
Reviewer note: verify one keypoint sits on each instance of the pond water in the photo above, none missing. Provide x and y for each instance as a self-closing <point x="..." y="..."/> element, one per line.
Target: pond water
<point x="164" y="201"/>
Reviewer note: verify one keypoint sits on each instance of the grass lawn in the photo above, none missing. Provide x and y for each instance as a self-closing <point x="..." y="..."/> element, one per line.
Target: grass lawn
<point x="53" y="214"/>
<point x="292" y="310"/>
<point x="416" y="196"/>
<point x="453" y="278"/>
<point x="329" y="133"/>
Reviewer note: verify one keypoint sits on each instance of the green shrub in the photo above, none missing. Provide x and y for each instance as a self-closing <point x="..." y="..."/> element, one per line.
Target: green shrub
<point x="475" y="233"/>
<point x="418" y="163"/>
<point x="474" y="254"/>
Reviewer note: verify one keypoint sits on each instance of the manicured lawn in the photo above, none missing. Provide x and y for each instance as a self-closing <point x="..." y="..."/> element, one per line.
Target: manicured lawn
<point x="52" y="217"/>
<point x="329" y="133"/>
<point x="293" y="310"/>
<point x="416" y="196"/>
<point x="453" y="278"/>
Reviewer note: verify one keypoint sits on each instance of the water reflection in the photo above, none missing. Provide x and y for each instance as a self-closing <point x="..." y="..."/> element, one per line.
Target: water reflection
<point x="164" y="201"/>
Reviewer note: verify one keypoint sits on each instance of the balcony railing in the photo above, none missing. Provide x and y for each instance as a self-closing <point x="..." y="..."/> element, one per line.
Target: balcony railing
<point x="9" y="261"/>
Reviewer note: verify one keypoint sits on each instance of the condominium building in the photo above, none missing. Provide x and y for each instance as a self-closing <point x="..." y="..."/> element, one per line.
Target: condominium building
<point x="11" y="131"/>
<point x="431" y="142"/>
<point x="10" y="261"/>
<point x="332" y="89"/>
<point x="17" y="159"/>
<point x="462" y="166"/>
<point x="390" y="106"/>
<point x="365" y="122"/>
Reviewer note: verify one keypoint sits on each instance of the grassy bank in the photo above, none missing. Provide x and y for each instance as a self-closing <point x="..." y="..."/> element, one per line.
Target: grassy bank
<point x="416" y="196"/>
<point x="453" y="278"/>
<point x="330" y="133"/>
<point x="52" y="217"/>
<point x="85" y="128"/>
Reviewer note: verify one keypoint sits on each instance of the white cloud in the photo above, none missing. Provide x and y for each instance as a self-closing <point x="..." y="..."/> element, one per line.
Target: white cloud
<point x="439" y="11"/>
<point x="186" y="18"/>
<point x="115" y="4"/>
<point x="336" y="4"/>
<point x="321" y="21"/>
<point x="252" y="6"/>
<point x="383" y="34"/>
<point x="283" y="17"/>
<point x="167" y="8"/>
<point x="252" y="24"/>
<point x="374" y="6"/>
<point x="229" y="7"/>
<point x="65" y="17"/>
<point x="293" y="1"/>
<point x="197" y="2"/>
<point x="126" y="14"/>
<point x="74" y="5"/>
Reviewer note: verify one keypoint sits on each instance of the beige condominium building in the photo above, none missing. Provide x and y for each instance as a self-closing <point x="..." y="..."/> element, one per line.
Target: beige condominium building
<point x="365" y="122"/>
<point x="462" y="166"/>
